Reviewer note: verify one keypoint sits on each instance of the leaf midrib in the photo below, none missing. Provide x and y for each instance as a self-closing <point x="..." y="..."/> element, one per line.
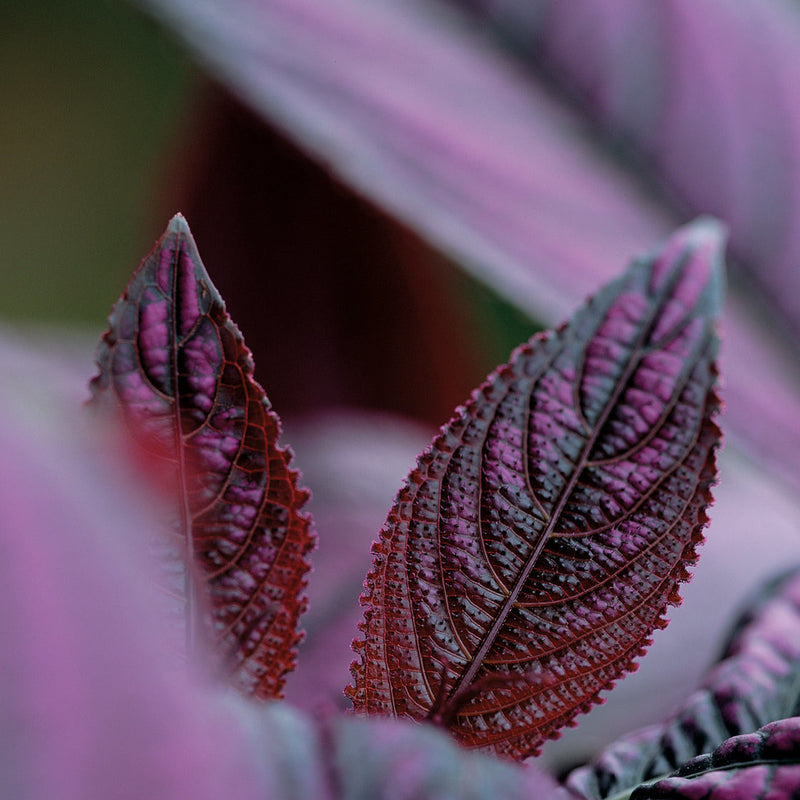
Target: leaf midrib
<point x="637" y="352"/>
<point x="190" y="588"/>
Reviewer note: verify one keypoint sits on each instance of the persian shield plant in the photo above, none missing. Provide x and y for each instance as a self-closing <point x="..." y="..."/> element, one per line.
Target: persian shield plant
<point x="532" y="550"/>
<point x="538" y="541"/>
<point x="521" y="571"/>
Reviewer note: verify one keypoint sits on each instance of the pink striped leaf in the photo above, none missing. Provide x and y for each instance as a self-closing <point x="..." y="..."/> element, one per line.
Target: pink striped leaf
<point x="707" y="93"/>
<point x="760" y="764"/>
<point x="486" y="163"/>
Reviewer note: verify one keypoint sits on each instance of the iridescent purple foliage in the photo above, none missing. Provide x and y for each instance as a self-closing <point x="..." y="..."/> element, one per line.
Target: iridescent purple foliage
<point x="539" y="145"/>
<point x="544" y="531"/>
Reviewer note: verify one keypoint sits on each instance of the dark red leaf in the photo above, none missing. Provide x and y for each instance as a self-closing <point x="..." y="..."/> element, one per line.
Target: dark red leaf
<point x="543" y="533"/>
<point x="176" y="367"/>
<point x="764" y="764"/>
<point x="95" y="701"/>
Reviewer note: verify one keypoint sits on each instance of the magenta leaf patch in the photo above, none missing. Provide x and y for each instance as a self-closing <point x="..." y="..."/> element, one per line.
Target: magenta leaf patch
<point x="511" y="187"/>
<point x="177" y="369"/>
<point x="538" y="541"/>
<point x="761" y="764"/>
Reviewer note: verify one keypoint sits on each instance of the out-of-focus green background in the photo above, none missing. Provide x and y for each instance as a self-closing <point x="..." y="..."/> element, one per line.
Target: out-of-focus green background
<point x="97" y="101"/>
<point x="93" y="96"/>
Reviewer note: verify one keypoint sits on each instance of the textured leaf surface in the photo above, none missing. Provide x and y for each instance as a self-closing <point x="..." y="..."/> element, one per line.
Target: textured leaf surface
<point x="764" y="764"/>
<point x="445" y="131"/>
<point x="176" y="367"/>
<point x="757" y="681"/>
<point x="707" y="97"/>
<point x="353" y="455"/>
<point x="544" y="531"/>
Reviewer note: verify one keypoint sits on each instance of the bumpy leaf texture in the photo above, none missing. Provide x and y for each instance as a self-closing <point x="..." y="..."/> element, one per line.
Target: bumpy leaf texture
<point x="764" y="764"/>
<point x="177" y="369"/>
<point x="756" y="682"/>
<point x="541" y="536"/>
<point x="95" y="701"/>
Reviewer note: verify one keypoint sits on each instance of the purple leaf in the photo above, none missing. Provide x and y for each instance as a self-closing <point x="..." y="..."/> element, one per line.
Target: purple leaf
<point x="536" y="545"/>
<point x="96" y="700"/>
<point x="354" y="459"/>
<point x="418" y="112"/>
<point x="176" y="368"/>
<point x="707" y="92"/>
<point x="735" y="564"/>
<point x="754" y="684"/>
<point x="762" y="764"/>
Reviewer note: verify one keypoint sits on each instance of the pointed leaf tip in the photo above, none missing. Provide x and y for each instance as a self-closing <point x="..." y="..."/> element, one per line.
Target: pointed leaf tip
<point x="706" y="228"/>
<point x="710" y="235"/>
<point x="699" y="252"/>
<point x="178" y="224"/>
